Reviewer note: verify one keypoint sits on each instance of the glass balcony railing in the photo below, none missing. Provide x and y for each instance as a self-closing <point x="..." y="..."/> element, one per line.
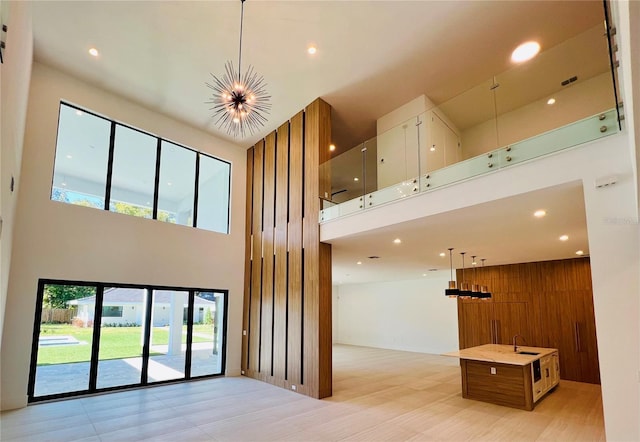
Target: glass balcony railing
<point x="588" y="129"/>
<point x="562" y="98"/>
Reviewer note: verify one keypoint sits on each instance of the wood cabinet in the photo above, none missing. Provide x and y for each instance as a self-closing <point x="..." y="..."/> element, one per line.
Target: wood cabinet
<point x="549" y="303"/>
<point x="488" y="322"/>
<point x="501" y="384"/>
<point x="573" y="331"/>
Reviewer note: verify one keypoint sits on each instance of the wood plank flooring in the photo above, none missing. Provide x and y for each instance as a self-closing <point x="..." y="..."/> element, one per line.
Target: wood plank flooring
<point x="379" y="395"/>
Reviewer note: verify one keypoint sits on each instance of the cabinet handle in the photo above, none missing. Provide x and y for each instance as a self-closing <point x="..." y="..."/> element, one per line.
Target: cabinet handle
<point x="494" y="339"/>
<point x="495" y="332"/>
<point x="576" y="332"/>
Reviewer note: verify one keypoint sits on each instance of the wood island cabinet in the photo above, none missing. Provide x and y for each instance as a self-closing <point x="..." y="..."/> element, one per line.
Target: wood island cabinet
<point x="550" y="304"/>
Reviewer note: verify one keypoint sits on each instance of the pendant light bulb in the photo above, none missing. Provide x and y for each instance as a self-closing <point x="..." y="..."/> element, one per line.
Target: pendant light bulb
<point x="476" y="292"/>
<point x="452" y="291"/>
<point x="465" y="292"/>
<point x="484" y="290"/>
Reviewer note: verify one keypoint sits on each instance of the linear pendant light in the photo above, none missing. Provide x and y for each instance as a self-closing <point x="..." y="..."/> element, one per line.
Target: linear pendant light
<point x="452" y="291"/>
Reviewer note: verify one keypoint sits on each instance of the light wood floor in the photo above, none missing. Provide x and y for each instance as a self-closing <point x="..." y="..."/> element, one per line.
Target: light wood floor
<point x="378" y="395"/>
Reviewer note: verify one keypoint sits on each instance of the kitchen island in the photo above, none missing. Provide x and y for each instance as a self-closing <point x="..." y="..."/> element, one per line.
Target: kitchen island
<point x="498" y="374"/>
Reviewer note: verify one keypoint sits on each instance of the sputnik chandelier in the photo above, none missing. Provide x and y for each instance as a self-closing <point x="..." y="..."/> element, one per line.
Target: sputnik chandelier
<point x="239" y="100"/>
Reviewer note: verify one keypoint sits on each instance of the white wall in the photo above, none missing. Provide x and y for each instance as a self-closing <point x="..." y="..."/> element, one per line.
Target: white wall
<point x="14" y="92"/>
<point x="581" y="100"/>
<point x="62" y="241"/>
<point x="401" y="315"/>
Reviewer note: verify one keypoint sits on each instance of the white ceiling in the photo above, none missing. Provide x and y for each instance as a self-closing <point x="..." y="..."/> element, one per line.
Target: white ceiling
<point x="503" y="231"/>
<point x="373" y="56"/>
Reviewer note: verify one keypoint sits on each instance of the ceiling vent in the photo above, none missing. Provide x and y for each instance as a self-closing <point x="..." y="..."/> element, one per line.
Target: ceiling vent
<point x="569" y="80"/>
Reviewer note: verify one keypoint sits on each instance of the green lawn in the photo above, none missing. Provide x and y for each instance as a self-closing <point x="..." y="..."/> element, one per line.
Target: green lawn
<point x="115" y="342"/>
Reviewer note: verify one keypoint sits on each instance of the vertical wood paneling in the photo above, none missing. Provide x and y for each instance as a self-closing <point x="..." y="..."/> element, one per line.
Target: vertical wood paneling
<point x="294" y="310"/>
<point x="280" y="293"/>
<point x="266" y="344"/>
<point x="316" y="137"/>
<point x="289" y="307"/>
<point x="311" y="246"/>
<point x="325" y="330"/>
<point x="247" y="260"/>
<point x="256" y="273"/>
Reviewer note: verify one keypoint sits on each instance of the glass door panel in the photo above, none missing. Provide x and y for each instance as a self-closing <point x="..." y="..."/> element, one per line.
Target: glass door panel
<point x="168" y="335"/>
<point x="64" y="340"/>
<point x="121" y="337"/>
<point x="208" y="321"/>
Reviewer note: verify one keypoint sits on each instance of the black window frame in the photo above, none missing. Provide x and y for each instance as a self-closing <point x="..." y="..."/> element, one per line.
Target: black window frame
<point x="107" y="194"/>
<point x="95" y="344"/>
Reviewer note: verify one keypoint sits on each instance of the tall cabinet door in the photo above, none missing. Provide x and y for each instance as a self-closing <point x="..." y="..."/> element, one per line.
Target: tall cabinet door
<point x="510" y="319"/>
<point x="570" y="323"/>
<point x="585" y="335"/>
<point x="475" y="323"/>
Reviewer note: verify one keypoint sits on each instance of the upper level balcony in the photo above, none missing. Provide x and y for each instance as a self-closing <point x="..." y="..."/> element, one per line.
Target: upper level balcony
<point x="563" y="97"/>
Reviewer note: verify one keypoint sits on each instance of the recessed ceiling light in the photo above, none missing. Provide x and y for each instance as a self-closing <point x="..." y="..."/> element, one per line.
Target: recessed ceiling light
<point x="356" y="179"/>
<point x="443" y="254"/>
<point x="69" y="156"/>
<point x="579" y="253"/>
<point x="94" y="52"/>
<point x="539" y="213"/>
<point x="78" y="112"/>
<point x="397" y="241"/>
<point x="169" y="183"/>
<point x="359" y="262"/>
<point x="526" y="51"/>
<point x="311" y="50"/>
<point x="551" y="101"/>
<point x="424" y="274"/>
<point x="564" y="238"/>
<point x="332" y="147"/>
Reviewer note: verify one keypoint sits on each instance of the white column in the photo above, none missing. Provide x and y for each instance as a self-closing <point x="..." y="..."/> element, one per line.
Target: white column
<point x="615" y="259"/>
<point x="176" y="308"/>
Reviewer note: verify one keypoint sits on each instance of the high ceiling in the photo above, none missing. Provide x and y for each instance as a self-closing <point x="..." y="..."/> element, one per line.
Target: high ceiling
<point x="373" y="56"/>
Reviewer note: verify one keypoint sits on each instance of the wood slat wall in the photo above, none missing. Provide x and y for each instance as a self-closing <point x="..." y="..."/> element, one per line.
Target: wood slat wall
<point x="287" y="310"/>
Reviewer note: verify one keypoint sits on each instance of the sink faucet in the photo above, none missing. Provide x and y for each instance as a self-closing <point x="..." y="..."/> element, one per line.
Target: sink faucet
<point x="515" y="340"/>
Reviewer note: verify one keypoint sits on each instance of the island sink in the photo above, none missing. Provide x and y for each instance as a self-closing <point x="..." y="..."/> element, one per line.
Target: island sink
<point x="528" y="353"/>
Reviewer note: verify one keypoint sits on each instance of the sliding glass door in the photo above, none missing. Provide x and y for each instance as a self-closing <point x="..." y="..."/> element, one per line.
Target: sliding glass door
<point x="64" y="342"/>
<point x="121" y="344"/>
<point x="91" y="337"/>
<point x="167" y="355"/>
<point x="207" y="339"/>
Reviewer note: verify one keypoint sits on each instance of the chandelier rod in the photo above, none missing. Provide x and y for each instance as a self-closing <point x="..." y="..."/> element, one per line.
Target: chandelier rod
<point x="240" y="51"/>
